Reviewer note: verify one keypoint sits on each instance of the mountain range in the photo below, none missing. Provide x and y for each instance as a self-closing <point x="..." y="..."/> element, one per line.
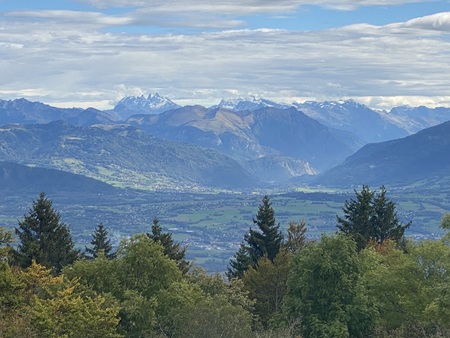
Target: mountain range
<point x="153" y="143"/>
<point x="412" y="159"/>
<point x="120" y="155"/>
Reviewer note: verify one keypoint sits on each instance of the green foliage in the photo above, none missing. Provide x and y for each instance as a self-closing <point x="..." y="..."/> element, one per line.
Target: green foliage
<point x="100" y="243"/>
<point x="144" y="267"/>
<point x="34" y="303"/>
<point x="43" y="238"/>
<point x="214" y="285"/>
<point x="239" y="263"/>
<point x="445" y="221"/>
<point x="71" y="314"/>
<point x="410" y="289"/>
<point x="171" y="249"/>
<point x="5" y="245"/>
<point x="325" y="290"/>
<point x="296" y="236"/>
<point x="266" y="284"/>
<point x="185" y="310"/>
<point x="212" y="317"/>
<point x="135" y="278"/>
<point x="371" y="217"/>
<point x="266" y="240"/>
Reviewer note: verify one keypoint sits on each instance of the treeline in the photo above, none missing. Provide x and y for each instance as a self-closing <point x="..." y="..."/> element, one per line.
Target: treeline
<point x="366" y="280"/>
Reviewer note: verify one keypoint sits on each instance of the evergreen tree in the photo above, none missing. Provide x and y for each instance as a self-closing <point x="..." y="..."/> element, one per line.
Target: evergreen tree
<point x="240" y="263"/>
<point x="266" y="241"/>
<point x="44" y="238"/>
<point x="100" y="243"/>
<point x="171" y="249"/>
<point x="296" y="236"/>
<point x="371" y="217"/>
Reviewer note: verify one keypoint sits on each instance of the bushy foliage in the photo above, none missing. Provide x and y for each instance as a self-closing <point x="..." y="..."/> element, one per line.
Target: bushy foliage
<point x="323" y="288"/>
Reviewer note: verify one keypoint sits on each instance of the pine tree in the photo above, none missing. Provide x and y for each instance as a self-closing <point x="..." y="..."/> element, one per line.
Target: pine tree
<point x="171" y="249"/>
<point x="240" y="263"/>
<point x="265" y="241"/>
<point x="100" y="243"/>
<point x="296" y="236"/>
<point x="371" y="217"/>
<point x="43" y="238"/>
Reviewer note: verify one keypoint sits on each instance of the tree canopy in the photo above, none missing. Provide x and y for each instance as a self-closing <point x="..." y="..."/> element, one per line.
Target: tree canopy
<point x="44" y="238"/>
<point x="172" y="249"/>
<point x="265" y="240"/>
<point x="371" y="217"/>
<point x="100" y="243"/>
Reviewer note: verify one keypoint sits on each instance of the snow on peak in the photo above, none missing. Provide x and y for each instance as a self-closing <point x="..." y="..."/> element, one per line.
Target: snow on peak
<point x="248" y="103"/>
<point x="153" y="104"/>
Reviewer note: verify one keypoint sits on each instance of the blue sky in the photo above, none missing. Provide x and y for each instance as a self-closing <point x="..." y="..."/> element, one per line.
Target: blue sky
<point x="94" y="52"/>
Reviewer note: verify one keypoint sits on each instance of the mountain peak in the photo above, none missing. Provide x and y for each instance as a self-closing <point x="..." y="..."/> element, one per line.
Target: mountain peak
<point x="248" y="103"/>
<point x="153" y="104"/>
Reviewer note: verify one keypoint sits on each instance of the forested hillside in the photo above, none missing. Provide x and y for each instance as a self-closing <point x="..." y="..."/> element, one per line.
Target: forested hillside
<point x="366" y="280"/>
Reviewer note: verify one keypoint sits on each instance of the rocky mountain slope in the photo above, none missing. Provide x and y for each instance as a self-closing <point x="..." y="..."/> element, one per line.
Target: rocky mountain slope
<point x="252" y="135"/>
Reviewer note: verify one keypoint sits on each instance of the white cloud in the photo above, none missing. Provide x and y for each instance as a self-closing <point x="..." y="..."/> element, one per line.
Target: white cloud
<point x="65" y="57"/>
<point x="241" y="6"/>
<point x="438" y="22"/>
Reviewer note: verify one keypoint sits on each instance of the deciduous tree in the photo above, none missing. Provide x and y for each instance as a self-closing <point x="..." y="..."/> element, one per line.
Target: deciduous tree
<point x="325" y="290"/>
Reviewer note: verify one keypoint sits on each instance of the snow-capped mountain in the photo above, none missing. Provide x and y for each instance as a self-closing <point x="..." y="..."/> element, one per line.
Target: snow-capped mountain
<point x="414" y="119"/>
<point x="249" y="103"/>
<point x="369" y="125"/>
<point x="153" y="104"/>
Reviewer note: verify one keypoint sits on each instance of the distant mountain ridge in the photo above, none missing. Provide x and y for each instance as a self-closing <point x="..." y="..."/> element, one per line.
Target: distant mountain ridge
<point x="22" y="111"/>
<point x="263" y="140"/>
<point x="16" y="178"/>
<point x="424" y="156"/>
<point x="120" y="155"/>
<point x="250" y="135"/>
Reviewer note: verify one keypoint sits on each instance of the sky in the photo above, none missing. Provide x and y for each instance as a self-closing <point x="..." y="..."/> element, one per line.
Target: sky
<point x="92" y="53"/>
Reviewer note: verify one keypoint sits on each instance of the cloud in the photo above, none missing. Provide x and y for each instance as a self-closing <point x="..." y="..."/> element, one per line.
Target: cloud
<point x="241" y="6"/>
<point x="437" y="22"/>
<point x="69" y="57"/>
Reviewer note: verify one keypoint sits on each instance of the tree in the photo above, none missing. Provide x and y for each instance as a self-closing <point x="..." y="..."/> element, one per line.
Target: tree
<point x="239" y="263"/>
<point x="326" y="292"/>
<point x="445" y="221"/>
<point x="135" y="278"/>
<point x="266" y="284"/>
<point x="44" y="238"/>
<point x="371" y="217"/>
<point x="59" y="307"/>
<point x="171" y="249"/>
<point x="296" y="236"/>
<point x="5" y="244"/>
<point x="100" y="243"/>
<point x="410" y="290"/>
<point x="266" y="240"/>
